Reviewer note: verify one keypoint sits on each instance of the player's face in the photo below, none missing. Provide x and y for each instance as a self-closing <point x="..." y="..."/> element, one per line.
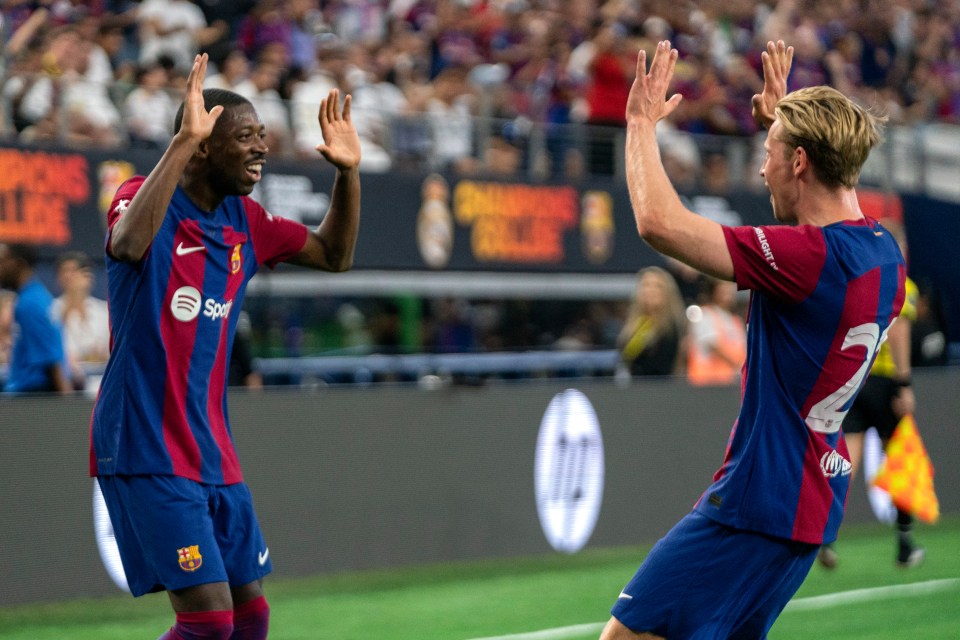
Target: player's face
<point x="238" y="150"/>
<point x="777" y="173"/>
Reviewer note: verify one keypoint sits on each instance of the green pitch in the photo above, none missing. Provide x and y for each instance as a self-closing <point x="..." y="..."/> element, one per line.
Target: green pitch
<point x="569" y="595"/>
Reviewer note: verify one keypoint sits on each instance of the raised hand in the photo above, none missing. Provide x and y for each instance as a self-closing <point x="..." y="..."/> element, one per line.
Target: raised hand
<point x="777" y="60"/>
<point x="341" y="144"/>
<point x="647" y="100"/>
<point x="197" y="121"/>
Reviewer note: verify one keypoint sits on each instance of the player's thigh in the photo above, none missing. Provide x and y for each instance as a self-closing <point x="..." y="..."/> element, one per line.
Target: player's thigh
<point x="239" y="537"/>
<point x="164" y="532"/>
<point x="214" y="596"/>
<point x="705" y="580"/>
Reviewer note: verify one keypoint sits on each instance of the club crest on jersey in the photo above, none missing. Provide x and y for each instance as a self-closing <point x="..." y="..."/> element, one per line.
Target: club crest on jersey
<point x="235" y="262"/>
<point x="190" y="558"/>
<point x="833" y="464"/>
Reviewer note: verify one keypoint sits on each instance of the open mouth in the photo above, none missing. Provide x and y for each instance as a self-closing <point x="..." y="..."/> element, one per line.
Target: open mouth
<point x="255" y="171"/>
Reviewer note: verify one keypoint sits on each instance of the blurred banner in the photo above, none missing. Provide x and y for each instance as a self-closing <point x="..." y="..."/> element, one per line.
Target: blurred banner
<point x="57" y="199"/>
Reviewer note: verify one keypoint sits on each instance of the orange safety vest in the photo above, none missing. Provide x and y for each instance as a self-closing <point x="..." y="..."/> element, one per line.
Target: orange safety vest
<point x="704" y="367"/>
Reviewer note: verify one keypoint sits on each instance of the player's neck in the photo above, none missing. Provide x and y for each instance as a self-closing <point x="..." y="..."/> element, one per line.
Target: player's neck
<point x="823" y="206"/>
<point x="200" y="192"/>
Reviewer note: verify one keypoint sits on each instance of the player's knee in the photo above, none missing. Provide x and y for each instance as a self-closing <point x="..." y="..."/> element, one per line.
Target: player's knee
<point x="201" y="625"/>
<point x="251" y="620"/>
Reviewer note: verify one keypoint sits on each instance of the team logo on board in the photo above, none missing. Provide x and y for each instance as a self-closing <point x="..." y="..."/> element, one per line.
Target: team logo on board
<point x="190" y="558"/>
<point x="235" y="262"/>
<point x="568" y="471"/>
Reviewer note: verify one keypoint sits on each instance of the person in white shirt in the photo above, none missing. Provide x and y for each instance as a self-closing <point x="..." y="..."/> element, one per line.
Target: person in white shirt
<point x="173" y="28"/>
<point x="85" y="319"/>
<point x="149" y="109"/>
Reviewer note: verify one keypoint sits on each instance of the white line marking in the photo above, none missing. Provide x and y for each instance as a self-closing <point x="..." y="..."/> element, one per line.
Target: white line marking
<point x="809" y="603"/>
<point x="553" y="634"/>
<point x="875" y="593"/>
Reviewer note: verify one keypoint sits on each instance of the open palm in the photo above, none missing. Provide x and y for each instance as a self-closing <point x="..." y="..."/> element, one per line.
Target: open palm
<point x="777" y="60"/>
<point x="197" y="122"/>
<point x="341" y="144"/>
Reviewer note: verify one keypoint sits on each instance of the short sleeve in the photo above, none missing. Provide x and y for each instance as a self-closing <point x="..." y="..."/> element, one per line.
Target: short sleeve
<point x="275" y="239"/>
<point x="121" y="200"/>
<point x="781" y="261"/>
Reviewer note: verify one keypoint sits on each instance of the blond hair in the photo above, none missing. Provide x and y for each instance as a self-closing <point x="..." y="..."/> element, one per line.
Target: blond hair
<point x="836" y="133"/>
<point x="673" y="315"/>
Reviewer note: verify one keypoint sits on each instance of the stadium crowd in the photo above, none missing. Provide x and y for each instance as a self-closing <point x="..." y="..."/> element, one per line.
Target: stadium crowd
<point x="430" y="77"/>
<point x="460" y="85"/>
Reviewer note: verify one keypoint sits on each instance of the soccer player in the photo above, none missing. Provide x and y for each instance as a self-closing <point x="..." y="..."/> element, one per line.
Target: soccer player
<point x="181" y="247"/>
<point x="825" y="289"/>
<point x="887" y="397"/>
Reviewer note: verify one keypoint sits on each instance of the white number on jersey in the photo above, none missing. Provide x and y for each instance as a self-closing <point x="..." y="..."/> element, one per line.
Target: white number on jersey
<point x="826" y="415"/>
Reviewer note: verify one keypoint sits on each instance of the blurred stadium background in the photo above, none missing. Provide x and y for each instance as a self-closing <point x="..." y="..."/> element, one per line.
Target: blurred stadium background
<point x="496" y="261"/>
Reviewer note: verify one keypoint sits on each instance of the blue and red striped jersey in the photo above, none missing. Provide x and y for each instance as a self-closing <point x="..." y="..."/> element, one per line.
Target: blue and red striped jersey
<point x="162" y="406"/>
<point x="822" y="300"/>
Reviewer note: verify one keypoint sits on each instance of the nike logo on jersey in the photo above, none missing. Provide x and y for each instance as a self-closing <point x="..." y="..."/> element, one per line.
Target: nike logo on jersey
<point x="182" y="250"/>
<point x="625" y="596"/>
<point x="263" y="555"/>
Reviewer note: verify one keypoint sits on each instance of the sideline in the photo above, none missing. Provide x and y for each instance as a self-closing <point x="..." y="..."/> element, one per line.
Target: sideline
<point x="809" y="603"/>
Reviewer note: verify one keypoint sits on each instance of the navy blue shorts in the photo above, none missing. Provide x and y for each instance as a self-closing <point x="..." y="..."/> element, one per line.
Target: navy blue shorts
<point x="174" y="533"/>
<point x="704" y="580"/>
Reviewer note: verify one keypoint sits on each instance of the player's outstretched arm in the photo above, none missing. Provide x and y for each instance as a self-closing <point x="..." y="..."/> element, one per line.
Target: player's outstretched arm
<point x="133" y="232"/>
<point x="662" y="220"/>
<point x="777" y="60"/>
<point x="331" y="245"/>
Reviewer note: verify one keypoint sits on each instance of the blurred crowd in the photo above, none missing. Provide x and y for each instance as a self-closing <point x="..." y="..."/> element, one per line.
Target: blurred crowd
<point x="467" y="85"/>
<point x="470" y="86"/>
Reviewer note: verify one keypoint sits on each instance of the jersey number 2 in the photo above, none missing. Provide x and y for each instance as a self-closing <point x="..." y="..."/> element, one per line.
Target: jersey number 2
<point x="826" y="415"/>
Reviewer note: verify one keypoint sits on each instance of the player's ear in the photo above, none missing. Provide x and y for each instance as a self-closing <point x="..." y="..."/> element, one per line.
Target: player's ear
<point x="203" y="149"/>
<point x="800" y="160"/>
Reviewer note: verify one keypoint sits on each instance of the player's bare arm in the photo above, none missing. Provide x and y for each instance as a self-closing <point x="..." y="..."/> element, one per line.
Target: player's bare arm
<point x="777" y="60"/>
<point x="662" y="220"/>
<point x="134" y="231"/>
<point x="331" y="245"/>
<point x="898" y="337"/>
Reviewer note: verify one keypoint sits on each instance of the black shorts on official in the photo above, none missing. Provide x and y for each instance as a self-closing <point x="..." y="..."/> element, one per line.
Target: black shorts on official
<point x="872" y="408"/>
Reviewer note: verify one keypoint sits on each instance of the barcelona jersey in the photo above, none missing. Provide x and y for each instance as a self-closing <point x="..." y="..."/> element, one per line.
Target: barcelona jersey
<point x="822" y="301"/>
<point x="162" y="406"/>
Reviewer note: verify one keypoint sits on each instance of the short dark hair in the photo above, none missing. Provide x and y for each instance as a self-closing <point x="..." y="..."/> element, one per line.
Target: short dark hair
<point x="26" y="252"/>
<point x="83" y="260"/>
<point x="211" y="99"/>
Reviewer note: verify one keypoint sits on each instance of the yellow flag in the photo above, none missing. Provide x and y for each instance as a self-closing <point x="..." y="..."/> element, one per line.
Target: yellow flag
<point x="907" y="473"/>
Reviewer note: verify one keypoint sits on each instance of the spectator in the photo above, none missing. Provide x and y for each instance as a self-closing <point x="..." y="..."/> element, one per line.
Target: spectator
<point x="329" y="73"/>
<point x="149" y="109"/>
<point x="717" y="347"/>
<point x="376" y="103"/>
<point x="651" y="337"/>
<point x="450" y="109"/>
<point x="84" y="318"/>
<point x="7" y="300"/>
<point x="176" y="29"/>
<point x="36" y="357"/>
<point x="233" y="69"/>
<point x="267" y="24"/>
<point x="610" y="74"/>
<point x="261" y="90"/>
